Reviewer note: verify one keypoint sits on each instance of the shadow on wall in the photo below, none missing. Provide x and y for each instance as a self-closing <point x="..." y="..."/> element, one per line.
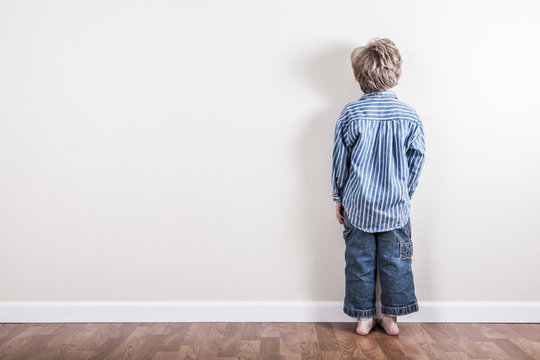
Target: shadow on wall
<point x="330" y="73"/>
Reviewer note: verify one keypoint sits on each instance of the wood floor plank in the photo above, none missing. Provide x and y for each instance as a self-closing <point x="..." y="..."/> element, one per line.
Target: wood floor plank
<point x="455" y="355"/>
<point x="326" y="336"/>
<point x="209" y="337"/>
<point x="310" y="350"/>
<point x="252" y="331"/>
<point x="269" y="348"/>
<point x="232" y="336"/>
<point x="262" y="341"/>
<point x="136" y="348"/>
<point x="510" y="331"/>
<point x="433" y="352"/>
<point x="25" y="347"/>
<point x="445" y="335"/>
<point x="392" y="348"/>
<point x="368" y="347"/>
<point x="511" y="349"/>
<point x="188" y="352"/>
<point x="307" y="332"/>
<point x="289" y="340"/>
<point x="269" y="329"/>
<point x="41" y="329"/>
<point x="334" y="355"/>
<point x="485" y="350"/>
<point x="165" y="355"/>
<point x="532" y="333"/>
<point x="411" y="341"/>
<point x="492" y="331"/>
<point x="173" y="336"/>
<point x="64" y="344"/>
<point x="8" y="331"/>
<point x="471" y="332"/>
<point x="530" y="348"/>
<point x="249" y="350"/>
<point x="104" y="348"/>
<point x="102" y="337"/>
<point x="346" y="338"/>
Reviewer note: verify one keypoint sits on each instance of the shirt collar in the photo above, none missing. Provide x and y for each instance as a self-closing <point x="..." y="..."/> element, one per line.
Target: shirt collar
<point x="386" y="93"/>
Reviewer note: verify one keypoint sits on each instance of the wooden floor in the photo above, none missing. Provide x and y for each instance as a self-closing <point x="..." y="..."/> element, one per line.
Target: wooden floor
<point x="272" y="340"/>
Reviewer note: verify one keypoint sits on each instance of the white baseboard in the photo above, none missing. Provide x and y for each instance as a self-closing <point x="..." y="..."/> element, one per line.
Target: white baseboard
<point x="258" y="311"/>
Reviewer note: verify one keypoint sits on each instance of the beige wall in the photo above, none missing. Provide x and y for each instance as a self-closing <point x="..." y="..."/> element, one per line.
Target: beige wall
<point x="181" y="150"/>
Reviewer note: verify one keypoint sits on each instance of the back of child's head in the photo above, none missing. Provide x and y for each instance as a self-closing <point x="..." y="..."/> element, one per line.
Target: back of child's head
<point x="377" y="65"/>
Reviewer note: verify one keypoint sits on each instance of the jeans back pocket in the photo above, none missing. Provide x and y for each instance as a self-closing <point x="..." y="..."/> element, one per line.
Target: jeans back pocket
<point x="405" y="249"/>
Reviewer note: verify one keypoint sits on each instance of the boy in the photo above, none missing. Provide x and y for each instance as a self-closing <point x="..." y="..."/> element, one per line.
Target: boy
<point x="377" y="159"/>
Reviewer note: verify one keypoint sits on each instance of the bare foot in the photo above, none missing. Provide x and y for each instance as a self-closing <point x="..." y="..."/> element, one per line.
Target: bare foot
<point x="364" y="326"/>
<point x="389" y="324"/>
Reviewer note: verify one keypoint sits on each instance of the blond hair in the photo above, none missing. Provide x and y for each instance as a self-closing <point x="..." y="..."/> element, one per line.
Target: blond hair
<point x="377" y="65"/>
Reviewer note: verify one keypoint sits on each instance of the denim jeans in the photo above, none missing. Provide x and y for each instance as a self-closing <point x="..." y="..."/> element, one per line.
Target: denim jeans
<point x="392" y="251"/>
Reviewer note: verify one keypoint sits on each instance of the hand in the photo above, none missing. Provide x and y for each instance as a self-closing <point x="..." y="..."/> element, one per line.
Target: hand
<point x="339" y="212"/>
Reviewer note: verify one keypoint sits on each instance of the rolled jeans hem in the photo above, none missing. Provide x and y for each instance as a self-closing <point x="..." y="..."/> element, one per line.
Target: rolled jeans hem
<point x="400" y="310"/>
<point x="359" y="314"/>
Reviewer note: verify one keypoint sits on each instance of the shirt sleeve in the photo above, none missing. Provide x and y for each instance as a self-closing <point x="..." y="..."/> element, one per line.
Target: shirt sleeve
<point x="340" y="157"/>
<point x="415" y="158"/>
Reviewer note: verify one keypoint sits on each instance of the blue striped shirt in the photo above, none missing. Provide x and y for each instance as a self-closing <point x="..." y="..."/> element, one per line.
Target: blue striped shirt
<point x="378" y="155"/>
